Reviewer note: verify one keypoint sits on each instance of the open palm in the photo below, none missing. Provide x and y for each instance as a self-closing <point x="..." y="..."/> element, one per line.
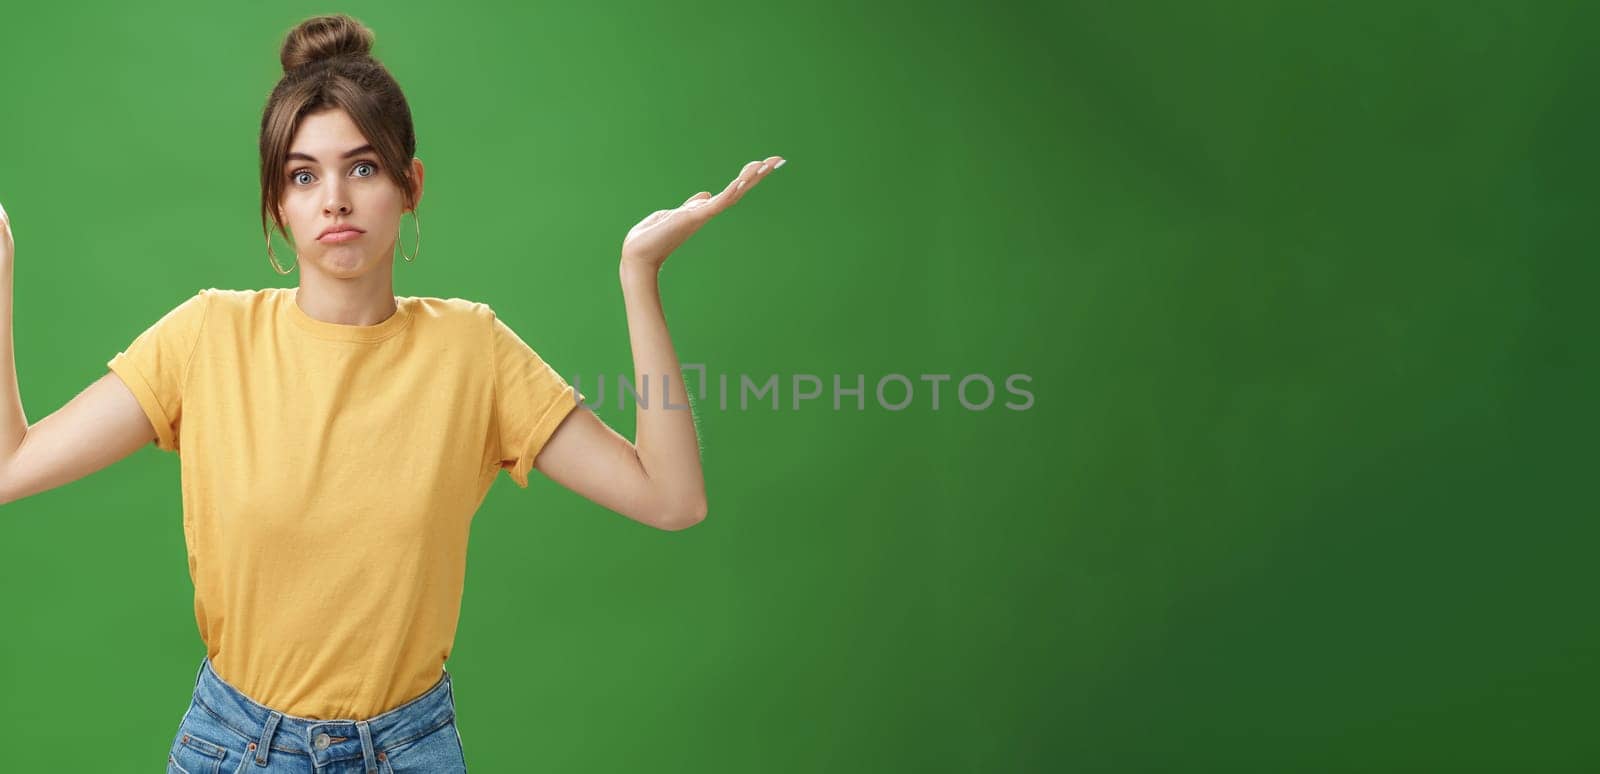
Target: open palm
<point x="654" y="238"/>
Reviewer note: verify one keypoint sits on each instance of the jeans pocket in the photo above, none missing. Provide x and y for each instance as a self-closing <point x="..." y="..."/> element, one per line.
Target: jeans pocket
<point x="194" y="754"/>
<point x="436" y="752"/>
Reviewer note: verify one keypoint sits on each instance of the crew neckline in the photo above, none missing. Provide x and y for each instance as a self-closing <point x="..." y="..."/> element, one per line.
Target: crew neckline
<point x="341" y="332"/>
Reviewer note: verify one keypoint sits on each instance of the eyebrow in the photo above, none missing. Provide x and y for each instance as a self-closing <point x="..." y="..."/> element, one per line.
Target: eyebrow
<point x="347" y="154"/>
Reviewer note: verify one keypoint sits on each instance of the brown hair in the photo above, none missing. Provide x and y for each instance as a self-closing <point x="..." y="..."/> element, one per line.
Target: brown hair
<point x="327" y="63"/>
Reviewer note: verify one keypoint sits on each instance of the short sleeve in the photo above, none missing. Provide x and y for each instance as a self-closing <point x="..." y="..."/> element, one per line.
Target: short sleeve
<point x="155" y="364"/>
<point x="530" y="400"/>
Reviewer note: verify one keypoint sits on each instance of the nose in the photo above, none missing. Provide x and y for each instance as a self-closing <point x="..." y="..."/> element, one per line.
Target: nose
<point x="336" y="203"/>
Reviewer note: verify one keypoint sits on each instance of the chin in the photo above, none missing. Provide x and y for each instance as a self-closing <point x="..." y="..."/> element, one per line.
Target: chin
<point x="344" y="264"/>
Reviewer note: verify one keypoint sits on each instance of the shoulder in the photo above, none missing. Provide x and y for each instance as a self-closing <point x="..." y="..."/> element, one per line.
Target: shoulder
<point x="225" y="298"/>
<point x="187" y="313"/>
<point x="452" y="308"/>
<point x="434" y="306"/>
<point x="485" y="321"/>
<point x="227" y="307"/>
<point x="458" y="318"/>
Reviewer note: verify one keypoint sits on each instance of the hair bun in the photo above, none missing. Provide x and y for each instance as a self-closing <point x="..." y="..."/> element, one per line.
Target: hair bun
<point x="325" y="37"/>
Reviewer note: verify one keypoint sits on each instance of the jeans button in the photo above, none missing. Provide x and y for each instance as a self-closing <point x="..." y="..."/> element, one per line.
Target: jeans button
<point x="322" y="741"/>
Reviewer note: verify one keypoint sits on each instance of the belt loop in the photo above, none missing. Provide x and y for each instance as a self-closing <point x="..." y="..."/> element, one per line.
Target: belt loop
<point x="200" y="671"/>
<point x="369" y="761"/>
<point x="265" y="741"/>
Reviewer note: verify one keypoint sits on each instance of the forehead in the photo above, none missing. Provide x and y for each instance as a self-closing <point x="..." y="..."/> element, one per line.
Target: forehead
<point x="326" y="132"/>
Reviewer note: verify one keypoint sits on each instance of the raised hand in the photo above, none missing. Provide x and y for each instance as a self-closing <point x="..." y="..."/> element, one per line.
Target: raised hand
<point x="654" y="238"/>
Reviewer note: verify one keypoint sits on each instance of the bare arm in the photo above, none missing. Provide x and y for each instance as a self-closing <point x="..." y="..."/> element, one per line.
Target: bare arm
<point x="99" y="426"/>
<point x="13" y="422"/>
<point x="657" y="479"/>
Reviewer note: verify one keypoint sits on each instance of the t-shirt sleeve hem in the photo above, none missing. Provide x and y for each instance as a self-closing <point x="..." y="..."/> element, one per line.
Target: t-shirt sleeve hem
<point x="541" y="432"/>
<point x="124" y="368"/>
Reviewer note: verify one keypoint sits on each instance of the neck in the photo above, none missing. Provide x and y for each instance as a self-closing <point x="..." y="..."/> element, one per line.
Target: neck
<point x="364" y="300"/>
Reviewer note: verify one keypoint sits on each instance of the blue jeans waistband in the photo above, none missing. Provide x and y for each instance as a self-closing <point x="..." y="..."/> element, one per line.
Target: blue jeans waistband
<point x="324" y="741"/>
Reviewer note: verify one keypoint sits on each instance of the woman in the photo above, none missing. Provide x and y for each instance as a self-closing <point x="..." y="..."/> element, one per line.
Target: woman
<point x="335" y="440"/>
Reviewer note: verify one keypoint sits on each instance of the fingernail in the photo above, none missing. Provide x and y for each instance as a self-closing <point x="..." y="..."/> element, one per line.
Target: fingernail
<point x="762" y="169"/>
<point x="740" y="185"/>
<point x="780" y="163"/>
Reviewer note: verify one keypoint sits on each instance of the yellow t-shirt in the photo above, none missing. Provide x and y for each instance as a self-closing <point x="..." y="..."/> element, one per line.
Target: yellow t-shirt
<point x="329" y="477"/>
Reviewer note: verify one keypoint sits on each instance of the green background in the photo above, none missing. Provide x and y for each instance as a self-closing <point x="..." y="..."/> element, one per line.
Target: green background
<point x="1301" y="288"/>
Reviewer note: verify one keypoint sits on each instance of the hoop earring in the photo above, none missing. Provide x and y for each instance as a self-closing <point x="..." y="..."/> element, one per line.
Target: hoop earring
<point x="418" y="223"/>
<point x="274" y="259"/>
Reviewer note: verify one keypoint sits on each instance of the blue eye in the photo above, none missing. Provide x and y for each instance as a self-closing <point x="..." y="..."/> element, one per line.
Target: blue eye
<point x="295" y="175"/>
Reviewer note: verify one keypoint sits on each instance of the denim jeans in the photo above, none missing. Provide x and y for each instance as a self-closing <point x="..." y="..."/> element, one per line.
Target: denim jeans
<point x="226" y="731"/>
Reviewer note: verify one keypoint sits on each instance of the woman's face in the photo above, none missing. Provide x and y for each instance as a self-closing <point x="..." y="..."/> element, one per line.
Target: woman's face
<point x="332" y="180"/>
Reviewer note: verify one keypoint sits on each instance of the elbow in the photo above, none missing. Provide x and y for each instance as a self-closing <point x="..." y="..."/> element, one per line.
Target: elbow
<point x="684" y="517"/>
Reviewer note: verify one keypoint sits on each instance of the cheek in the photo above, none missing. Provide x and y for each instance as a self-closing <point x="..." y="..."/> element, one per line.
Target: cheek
<point x="294" y="206"/>
<point x="386" y="197"/>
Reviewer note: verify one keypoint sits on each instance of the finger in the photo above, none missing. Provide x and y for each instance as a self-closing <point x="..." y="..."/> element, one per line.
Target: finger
<point x="740" y="180"/>
<point x="760" y="173"/>
<point x="754" y="173"/>
<point x="735" y="190"/>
